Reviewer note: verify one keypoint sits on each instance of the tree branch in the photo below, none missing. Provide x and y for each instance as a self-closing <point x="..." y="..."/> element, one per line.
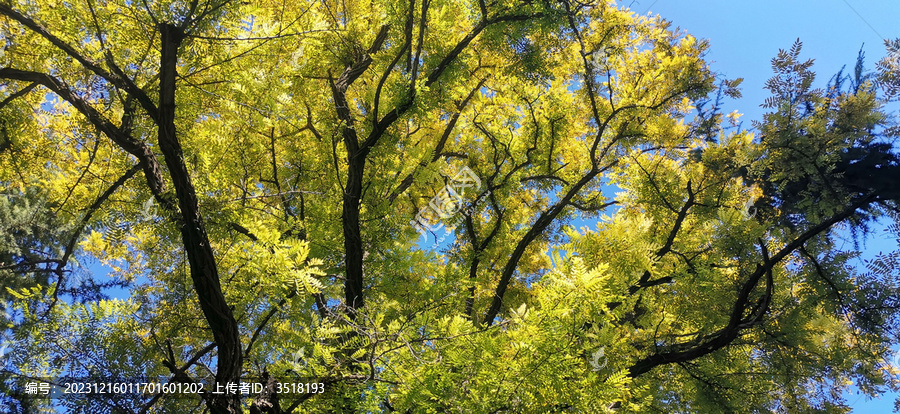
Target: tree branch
<point x="76" y="235"/>
<point x="204" y="271"/>
<point x="149" y="163"/>
<point x="737" y="321"/>
<point x="122" y="82"/>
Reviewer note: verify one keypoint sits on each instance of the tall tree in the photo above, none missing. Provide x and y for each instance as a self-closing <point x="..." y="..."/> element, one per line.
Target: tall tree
<point x="287" y="169"/>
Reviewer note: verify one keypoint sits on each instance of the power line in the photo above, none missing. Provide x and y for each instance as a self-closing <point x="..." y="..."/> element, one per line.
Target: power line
<point x="651" y="5"/>
<point x="635" y="1"/>
<point x="864" y="20"/>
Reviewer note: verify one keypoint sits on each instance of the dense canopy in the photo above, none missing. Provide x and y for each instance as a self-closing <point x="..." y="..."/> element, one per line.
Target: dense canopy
<point x="433" y="206"/>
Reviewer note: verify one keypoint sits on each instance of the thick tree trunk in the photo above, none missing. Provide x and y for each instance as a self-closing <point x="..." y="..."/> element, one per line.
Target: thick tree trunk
<point x="204" y="273"/>
<point x="353" y="248"/>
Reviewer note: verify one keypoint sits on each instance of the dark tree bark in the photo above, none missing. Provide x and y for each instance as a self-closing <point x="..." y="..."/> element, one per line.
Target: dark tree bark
<point x="746" y="313"/>
<point x="204" y="273"/>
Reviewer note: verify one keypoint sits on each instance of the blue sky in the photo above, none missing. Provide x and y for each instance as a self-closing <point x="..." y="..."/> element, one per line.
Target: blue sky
<point x="745" y="35"/>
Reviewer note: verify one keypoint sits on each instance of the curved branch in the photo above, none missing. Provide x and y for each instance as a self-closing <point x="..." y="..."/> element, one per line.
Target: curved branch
<point x="737" y="322"/>
<point x="442" y="142"/>
<point x="149" y="163"/>
<point x="543" y="221"/>
<point x="70" y="246"/>
<point x="18" y="94"/>
<point x="117" y="78"/>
